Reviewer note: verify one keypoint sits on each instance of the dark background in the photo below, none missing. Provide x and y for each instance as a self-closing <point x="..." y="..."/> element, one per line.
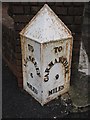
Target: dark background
<point x="71" y="13"/>
<point x="16" y="102"/>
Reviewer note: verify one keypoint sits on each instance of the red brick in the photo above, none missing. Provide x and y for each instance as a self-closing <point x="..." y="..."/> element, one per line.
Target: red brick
<point x="27" y="9"/>
<point x="61" y="10"/>
<point x="75" y="28"/>
<point x="78" y="10"/>
<point x="41" y="4"/>
<point x="59" y="4"/>
<point x="67" y="19"/>
<point x="67" y="4"/>
<point x="17" y="9"/>
<point x="49" y="3"/>
<point x="33" y="3"/>
<point x="25" y="3"/>
<point x="16" y="3"/>
<point x="35" y="9"/>
<point x="75" y="11"/>
<point x="78" y="19"/>
<point x="21" y="18"/>
<point x="53" y="8"/>
<point x="19" y="26"/>
<point x="78" y="3"/>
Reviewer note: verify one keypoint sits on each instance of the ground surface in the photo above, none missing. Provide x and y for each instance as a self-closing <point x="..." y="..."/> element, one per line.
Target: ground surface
<point x="19" y="104"/>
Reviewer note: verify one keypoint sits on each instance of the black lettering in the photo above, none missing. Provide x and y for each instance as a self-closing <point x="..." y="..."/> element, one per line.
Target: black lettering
<point x="50" y="64"/>
<point x="38" y="74"/>
<point x="56" y="49"/>
<point x="25" y="65"/>
<point x="66" y="67"/>
<point x="56" y="61"/>
<point x="59" y="88"/>
<point x="50" y="92"/>
<point x="31" y="74"/>
<point x="66" y="71"/>
<point x="46" y="75"/>
<point x="46" y="78"/>
<point x="27" y="59"/>
<point x="35" y="64"/>
<point x="55" y="90"/>
<point x="57" y="76"/>
<point x="60" y="48"/>
<point x="60" y="59"/>
<point x="27" y="84"/>
<point x="32" y="60"/>
<point x="65" y="63"/>
<point x="47" y="70"/>
<point x="64" y="60"/>
<point x="35" y="91"/>
<point x="32" y="88"/>
<point x="37" y="69"/>
<point x="30" y="48"/>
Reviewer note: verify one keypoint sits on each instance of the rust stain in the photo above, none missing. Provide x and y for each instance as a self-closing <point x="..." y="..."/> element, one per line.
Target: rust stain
<point x="47" y="45"/>
<point x="70" y="56"/>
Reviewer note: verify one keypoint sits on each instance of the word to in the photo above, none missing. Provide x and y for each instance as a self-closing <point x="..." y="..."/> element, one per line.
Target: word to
<point x="58" y="49"/>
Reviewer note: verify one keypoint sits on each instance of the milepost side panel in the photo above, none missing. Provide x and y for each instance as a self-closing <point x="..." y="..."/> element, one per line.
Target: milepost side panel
<point x="56" y="68"/>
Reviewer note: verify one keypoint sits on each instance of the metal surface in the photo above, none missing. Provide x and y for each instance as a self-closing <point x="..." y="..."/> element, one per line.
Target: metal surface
<point x="46" y="57"/>
<point x="46" y="26"/>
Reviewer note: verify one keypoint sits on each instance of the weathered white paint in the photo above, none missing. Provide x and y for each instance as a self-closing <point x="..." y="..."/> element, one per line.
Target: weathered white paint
<point x="83" y="61"/>
<point x="45" y="27"/>
<point x="49" y="55"/>
<point x="46" y="40"/>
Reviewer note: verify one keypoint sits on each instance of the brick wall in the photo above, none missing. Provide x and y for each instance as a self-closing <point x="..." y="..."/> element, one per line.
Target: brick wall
<point x="8" y="39"/>
<point x="69" y="13"/>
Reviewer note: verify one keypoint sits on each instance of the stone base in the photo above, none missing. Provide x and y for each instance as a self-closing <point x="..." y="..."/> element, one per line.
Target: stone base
<point x="79" y="92"/>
